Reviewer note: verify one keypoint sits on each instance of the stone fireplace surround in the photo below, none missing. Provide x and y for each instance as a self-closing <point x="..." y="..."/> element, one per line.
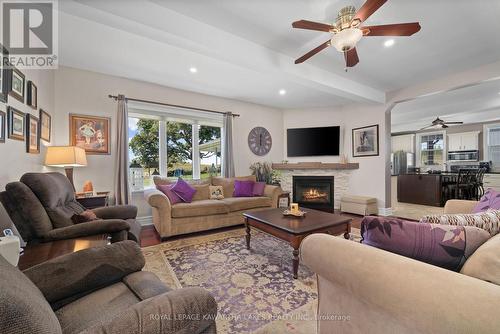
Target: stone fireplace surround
<point x="341" y="173"/>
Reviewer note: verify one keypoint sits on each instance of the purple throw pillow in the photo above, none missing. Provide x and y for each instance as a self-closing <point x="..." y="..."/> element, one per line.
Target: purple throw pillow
<point x="444" y="246"/>
<point x="243" y="188"/>
<point x="258" y="188"/>
<point x="182" y="189"/>
<point x="167" y="190"/>
<point x="490" y="200"/>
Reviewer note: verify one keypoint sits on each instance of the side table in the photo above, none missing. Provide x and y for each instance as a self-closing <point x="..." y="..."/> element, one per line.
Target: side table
<point x="93" y="202"/>
<point x="284" y="200"/>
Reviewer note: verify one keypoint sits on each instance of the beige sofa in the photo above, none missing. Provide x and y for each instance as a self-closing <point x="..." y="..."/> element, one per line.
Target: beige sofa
<point x="374" y="291"/>
<point x="203" y="213"/>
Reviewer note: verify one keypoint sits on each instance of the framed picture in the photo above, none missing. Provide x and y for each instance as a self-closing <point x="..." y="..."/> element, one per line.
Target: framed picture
<point x="32" y="99"/>
<point x="2" y="126"/>
<point x="4" y="75"/>
<point x="16" y="124"/>
<point x="45" y="125"/>
<point x="17" y="85"/>
<point x="32" y="134"/>
<point x="365" y="141"/>
<point x="90" y="133"/>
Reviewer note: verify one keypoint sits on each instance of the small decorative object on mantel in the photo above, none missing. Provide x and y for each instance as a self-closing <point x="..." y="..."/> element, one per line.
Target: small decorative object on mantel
<point x="344" y="159"/>
<point x="260" y="141"/>
<point x="365" y="141"/>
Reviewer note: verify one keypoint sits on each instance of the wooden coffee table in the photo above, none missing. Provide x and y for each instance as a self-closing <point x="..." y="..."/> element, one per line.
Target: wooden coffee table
<point x="295" y="229"/>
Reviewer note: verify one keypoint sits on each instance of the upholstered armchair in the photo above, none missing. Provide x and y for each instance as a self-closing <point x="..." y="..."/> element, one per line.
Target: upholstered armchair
<point x="99" y="290"/>
<point x="42" y="204"/>
<point x="363" y="289"/>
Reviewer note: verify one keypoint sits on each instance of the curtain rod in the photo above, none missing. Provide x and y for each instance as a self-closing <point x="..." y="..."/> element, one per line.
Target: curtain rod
<point x="173" y="105"/>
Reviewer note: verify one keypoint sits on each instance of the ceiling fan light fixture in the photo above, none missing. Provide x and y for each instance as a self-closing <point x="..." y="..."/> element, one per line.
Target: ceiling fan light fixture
<point x="389" y="43"/>
<point x="345" y="17"/>
<point x="346" y="39"/>
<point x="355" y="23"/>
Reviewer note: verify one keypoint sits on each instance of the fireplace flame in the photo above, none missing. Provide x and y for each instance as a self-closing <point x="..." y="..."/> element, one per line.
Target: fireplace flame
<point x="314" y="194"/>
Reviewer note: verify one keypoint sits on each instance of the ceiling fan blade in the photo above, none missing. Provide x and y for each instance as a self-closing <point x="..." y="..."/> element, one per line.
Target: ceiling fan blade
<point x="426" y="127"/>
<point x="368" y="8"/>
<point x="310" y="25"/>
<point x="351" y="57"/>
<point x="312" y="52"/>
<point x="453" y="123"/>
<point x="398" y="29"/>
<point x="444" y="126"/>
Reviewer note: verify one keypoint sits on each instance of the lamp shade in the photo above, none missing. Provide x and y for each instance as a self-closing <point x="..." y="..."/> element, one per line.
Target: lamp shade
<point x="65" y="156"/>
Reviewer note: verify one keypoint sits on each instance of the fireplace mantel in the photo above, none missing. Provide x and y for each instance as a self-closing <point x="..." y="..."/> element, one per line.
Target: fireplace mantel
<point x="315" y="165"/>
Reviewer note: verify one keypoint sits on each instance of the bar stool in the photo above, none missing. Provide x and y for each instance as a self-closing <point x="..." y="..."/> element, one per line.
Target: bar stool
<point x="478" y="183"/>
<point x="462" y="189"/>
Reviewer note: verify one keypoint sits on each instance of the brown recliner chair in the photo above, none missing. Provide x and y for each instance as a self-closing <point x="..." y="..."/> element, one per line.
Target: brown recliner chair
<point x="42" y="204"/>
<point x="99" y="290"/>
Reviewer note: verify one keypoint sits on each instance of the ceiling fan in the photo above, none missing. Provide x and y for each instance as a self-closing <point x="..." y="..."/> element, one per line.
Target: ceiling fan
<point x="438" y="122"/>
<point x="347" y="31"/>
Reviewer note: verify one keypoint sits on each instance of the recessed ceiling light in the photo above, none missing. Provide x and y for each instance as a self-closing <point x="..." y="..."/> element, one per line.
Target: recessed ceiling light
<point x="193" y="70"/>
<point x="282" y="92"/>
<point x="389" y="43"/>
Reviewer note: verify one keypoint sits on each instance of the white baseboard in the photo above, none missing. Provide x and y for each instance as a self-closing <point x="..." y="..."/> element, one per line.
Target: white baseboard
<point x="145" y="220"/>
<point x="385" y="212"/>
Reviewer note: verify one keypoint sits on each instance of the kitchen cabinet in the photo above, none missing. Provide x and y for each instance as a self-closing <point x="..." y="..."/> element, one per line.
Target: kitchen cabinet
<point x="465" y="141"/>
<point x="491" y="181"/>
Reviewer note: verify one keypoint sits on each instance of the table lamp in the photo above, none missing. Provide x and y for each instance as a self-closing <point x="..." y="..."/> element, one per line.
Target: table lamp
<point x="67" y="157"/>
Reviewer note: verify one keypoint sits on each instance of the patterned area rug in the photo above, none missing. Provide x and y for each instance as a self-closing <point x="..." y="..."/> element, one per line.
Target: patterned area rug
<point x="254" y="289"/>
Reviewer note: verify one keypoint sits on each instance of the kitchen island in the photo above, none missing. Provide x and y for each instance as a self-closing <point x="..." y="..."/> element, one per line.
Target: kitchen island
<point x="424" y="189"/>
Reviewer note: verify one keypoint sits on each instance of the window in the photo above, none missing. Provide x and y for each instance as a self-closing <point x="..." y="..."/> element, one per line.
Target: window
<point x="180" y="150"/>
<point x="210" y="151"/>
<point x="492" y="145"/>
<point x="143" y="134"/>
<point x="431" y="149"/>
<point x="172" y="144"/>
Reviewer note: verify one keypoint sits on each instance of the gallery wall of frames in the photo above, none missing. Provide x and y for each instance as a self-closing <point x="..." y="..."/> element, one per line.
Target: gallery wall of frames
<point x="16" y="123"/>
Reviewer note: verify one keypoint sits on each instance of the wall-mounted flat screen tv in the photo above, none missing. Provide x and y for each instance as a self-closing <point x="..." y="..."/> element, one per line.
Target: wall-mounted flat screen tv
<point x="313" y="141"/>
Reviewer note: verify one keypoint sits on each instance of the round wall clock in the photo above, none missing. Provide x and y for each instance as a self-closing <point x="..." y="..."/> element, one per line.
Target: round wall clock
<point x="260" y="141"/>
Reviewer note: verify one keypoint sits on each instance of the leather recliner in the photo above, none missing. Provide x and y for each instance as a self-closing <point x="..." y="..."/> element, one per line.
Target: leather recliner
<point x="99" y="290"/>
<point x="41" y="206"/>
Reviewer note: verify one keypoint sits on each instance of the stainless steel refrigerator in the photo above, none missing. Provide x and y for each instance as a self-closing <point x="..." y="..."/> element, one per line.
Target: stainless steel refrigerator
<point x="401" y="161"/>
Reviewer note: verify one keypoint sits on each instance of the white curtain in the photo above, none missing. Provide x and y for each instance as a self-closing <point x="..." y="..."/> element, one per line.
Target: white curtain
<point x="227" y="149"/>
<point x="122" y="193"/>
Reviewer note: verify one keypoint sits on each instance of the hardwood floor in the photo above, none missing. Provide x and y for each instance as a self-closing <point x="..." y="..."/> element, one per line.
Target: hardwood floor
<point x="149" y="236"/>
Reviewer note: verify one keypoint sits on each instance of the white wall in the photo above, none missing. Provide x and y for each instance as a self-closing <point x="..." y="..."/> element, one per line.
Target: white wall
<point x="369" y="179"/>
<point x="84" y="92"/>
<point x="14" y="161"/>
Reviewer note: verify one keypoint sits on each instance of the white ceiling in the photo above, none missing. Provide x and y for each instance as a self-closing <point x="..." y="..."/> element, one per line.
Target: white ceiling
<point x="473" y="104"/>
<point x="245" y="49"/>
